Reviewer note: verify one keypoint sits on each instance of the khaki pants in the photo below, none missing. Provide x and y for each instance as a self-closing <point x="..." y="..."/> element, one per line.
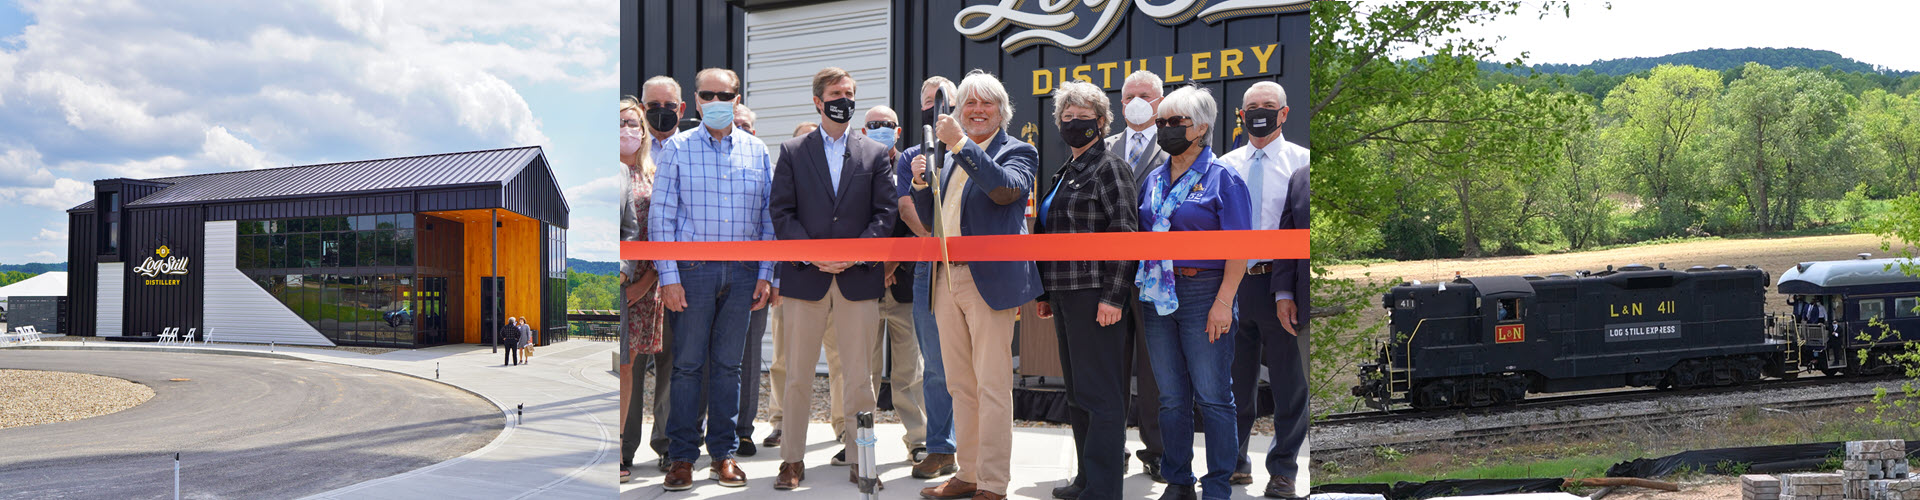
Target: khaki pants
<point x="908" y="401"/>
<point x="777" y="371"/>
<point x="851" y="322"/>
<point x="976" y="347"/>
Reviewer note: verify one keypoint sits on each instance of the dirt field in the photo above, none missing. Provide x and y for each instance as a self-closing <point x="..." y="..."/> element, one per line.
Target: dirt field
<point x="1775" y="256"/>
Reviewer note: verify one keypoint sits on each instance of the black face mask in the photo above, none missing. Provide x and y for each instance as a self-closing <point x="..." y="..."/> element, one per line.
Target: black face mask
<point x="1174" y="140"/>
<point x="1262" y="122"/>
<point x="1078" y="133"/>
<point x="839" y="110"/>
<point x="662" y="119"/>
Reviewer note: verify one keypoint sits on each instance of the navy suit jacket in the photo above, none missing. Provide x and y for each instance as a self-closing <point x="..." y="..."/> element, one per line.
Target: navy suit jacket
<point x="999" y="182"/>
<point x="1294" y="274"/>
<point x="806" y="207"/>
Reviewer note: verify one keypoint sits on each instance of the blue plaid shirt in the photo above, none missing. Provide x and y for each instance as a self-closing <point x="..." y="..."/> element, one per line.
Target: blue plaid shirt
<point x="708" y="189"/>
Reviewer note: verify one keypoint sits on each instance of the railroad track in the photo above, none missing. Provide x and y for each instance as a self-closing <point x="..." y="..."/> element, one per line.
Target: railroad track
<point x="1576" y="426"/>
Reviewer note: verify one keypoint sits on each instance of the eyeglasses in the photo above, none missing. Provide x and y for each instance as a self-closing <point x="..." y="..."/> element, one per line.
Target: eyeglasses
<point x="876" y="125"/>
<point x="661" y="105"/>
<point x="629" y="123"/>
<point x="1171" y="121"/>
<point x="708" y="95"/>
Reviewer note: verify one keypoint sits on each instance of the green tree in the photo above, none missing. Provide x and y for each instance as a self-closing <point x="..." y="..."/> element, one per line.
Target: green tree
<point x="1782" y="124"/>
<point x="1892" y="122"/>
<point x="1656" y="126"/>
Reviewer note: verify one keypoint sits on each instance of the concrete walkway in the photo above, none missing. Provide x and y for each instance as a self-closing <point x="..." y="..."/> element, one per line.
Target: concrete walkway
<point x="1042" y="459"/>
<point x="564" y="446"/>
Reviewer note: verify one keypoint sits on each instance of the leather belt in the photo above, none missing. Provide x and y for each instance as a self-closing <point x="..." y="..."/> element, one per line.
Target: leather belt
<point x="1189" y="271"/>
<point x="1261" y="268"/>
<point x="957" y="263"/>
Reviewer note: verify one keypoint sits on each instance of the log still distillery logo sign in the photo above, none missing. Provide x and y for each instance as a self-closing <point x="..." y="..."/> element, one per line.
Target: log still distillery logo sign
<point x="1059" y="25"/>
<point x="167" y="264"/>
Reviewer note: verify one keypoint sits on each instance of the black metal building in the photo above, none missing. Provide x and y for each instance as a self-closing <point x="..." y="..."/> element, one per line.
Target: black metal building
<point x="393" y="252"/>
<point x="1224" y="46"/>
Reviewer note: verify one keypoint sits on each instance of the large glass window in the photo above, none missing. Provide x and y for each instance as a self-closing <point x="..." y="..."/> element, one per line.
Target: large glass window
<point x="355" y="306"/>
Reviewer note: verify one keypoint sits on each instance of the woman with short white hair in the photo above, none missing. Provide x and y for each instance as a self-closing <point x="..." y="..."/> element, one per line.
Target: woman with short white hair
<point x="1092" y="193"/>
<point x="1188" y="304"/>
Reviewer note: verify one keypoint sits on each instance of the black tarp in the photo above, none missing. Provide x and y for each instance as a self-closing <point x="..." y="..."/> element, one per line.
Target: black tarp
<point x="1447" y="487"/>
<point x="1755" y="459"/>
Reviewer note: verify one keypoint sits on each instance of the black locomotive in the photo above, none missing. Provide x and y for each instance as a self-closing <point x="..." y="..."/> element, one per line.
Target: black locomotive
<point x="1484" y="341"/>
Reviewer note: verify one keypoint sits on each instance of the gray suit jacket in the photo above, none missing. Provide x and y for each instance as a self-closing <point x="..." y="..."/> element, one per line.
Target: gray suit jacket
<point x="1150" y="157"/>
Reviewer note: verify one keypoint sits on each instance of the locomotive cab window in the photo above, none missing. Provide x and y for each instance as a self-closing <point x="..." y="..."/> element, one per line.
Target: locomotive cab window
<point x="1904" y="307"/>
<point x="1509" y="310"/>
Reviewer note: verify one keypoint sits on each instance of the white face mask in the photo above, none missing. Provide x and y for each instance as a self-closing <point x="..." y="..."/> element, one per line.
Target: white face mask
<point x="1139" y="111"/>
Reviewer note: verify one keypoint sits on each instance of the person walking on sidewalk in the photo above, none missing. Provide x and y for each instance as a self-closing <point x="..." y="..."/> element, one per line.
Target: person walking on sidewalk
<point x="510" y="337"/>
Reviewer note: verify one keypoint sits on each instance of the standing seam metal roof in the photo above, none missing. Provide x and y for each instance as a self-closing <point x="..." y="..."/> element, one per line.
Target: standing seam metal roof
<point x="448" y="169"/>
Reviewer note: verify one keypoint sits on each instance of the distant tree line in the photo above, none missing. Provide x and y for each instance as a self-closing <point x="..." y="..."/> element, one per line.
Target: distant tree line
<point x="1440" y="156"/>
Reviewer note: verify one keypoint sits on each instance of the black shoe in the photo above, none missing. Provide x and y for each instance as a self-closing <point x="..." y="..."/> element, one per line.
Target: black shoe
<point x="1179" y="492"/>
<point x="841" y="458"/>
<point x="746" y="447"/>
<point x="915" y="454"/>
<point x="626" y="473"/>
<point x="1151" y="463"/>
<point x="665" y="464"/>
<point x="1071" y="491"/>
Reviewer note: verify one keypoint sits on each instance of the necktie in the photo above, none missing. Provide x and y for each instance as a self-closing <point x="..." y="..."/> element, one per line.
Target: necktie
<point x="1257" y="186"/>
<point x="1134" y="147"/>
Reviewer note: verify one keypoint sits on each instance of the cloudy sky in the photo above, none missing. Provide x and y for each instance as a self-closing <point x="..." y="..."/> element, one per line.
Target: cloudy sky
<point x="94" y="89"/>
<point x="1876" y="32"/>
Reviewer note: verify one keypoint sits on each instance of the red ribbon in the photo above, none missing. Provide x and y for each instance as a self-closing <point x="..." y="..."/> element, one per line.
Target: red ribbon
<point x="1174" y="245"/>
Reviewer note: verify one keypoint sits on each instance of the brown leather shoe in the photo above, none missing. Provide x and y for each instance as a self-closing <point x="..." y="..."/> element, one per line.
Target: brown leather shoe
<point x="953" y="489"/>
<point x="791" y="474"/>
<point x="1240" y="478"/>
<point x="728" y="474"/>
<point x="679" y="476"/>
<point x="772" y="440"/>
<point x="1280" y="487"/>
<point x="853" y="476"/>
<point x="935" y="465"/>
<point x="988" y="495"/>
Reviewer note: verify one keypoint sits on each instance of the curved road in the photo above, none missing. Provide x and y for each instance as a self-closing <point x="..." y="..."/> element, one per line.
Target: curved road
<point x="246" y="427"/>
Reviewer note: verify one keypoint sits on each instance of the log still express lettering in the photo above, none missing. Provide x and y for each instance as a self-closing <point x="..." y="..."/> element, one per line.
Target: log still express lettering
<point x="1257" y="60"/>
<point x="1638" y="309"/>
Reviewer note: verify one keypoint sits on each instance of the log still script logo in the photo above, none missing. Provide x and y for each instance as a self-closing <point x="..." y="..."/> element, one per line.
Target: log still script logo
<point x="167" y="263"/>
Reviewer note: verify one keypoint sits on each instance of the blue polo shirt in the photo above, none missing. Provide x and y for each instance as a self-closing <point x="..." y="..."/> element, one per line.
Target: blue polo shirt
<point x="1220" y="201"/>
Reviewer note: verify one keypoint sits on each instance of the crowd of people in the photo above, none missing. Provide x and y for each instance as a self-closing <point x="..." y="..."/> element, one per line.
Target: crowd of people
<point x="1190" y="335"/>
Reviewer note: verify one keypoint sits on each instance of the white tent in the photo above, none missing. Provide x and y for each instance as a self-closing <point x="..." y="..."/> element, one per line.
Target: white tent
<point x="51" y="284"/>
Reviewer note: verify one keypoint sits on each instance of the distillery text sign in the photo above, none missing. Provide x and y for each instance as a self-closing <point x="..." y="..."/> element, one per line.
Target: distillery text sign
<point x="163" y="270"/>
<point x="1257" y="60"/>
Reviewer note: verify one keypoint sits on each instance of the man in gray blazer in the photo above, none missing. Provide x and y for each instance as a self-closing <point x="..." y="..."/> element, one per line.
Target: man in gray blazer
<point x="1139" y="103"/>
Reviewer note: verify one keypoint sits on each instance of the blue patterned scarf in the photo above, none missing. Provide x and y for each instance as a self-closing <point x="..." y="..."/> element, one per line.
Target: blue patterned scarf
<point x="1155" y="277"/>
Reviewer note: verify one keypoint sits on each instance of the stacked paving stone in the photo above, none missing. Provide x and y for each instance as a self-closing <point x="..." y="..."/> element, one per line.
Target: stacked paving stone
<point x="1876" y="470"/>
<point x="1811" y="487"/>
<point x="1759" y="487"/>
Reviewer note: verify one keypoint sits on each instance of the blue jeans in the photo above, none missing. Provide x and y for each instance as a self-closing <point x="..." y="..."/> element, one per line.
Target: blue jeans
<point x="1193" y="372"/>
<point x="708" y="338"/>
<point x="934" y="380"/>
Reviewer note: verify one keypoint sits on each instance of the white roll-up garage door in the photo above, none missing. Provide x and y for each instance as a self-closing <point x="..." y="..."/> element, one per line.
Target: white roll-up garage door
<point x="786" y="47"/>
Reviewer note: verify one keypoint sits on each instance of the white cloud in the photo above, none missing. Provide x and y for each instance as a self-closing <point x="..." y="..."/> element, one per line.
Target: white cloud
<point x="48" y="234"/>
<point x="110" y="88"/>
<point x="42" y="256"/>
<point x="594" y="236"/>
<point x="604" y="191"/>
<point x="22" y="167"/>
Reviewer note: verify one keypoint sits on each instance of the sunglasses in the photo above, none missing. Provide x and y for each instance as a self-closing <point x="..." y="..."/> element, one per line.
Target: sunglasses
<point x="876" y="125"/>
<point x="661" y="105"/>
<point x="1171" y="121"/>
<point x="708" y="95"/>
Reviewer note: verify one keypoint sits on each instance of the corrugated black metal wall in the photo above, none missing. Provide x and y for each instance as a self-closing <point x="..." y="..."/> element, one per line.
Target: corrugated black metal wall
<point x="459" y="199"/>
<point x="82" y="273"/>
<point x="534" y="193"/>
<point x="678" y="38"/>
<point x="151" y="308"/>
<point x="313" y="207"/>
